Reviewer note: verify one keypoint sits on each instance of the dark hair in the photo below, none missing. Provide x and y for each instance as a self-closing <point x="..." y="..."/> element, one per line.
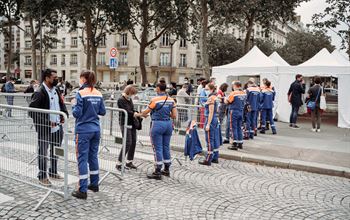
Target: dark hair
<point x="268" y="83"/>
<point x="223" y="87"/>
<point x="129" y="82"/>
<point x="186" y="78"/>
<point x="90" y="77"/>
<point x="317" y="80"/>
<point x="161" y="86"/>
<point x="162" y="80"/>
<point x="237" y="84"/>
<point x="47" y="73"/>
<point x="204" y="83"/>
<point x="173" y="84"/>
<point x="298" y="76"/>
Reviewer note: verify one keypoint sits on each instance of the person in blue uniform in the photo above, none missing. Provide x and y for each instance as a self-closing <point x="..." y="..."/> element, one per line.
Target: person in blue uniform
<point x="267" y="97"/>
<point x="236" y="101"/>
<point x="211" y="126"/>
<point x="253" y="102"/>
<point x="87" y="106"/>
<point x="163" y="110"/>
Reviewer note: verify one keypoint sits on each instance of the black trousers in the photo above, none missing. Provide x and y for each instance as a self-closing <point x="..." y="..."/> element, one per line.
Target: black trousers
<point x="47" y="139"/>
<point x="130" y="144"/>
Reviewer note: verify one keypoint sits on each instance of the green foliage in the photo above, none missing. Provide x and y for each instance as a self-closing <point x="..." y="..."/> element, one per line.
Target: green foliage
<point x="266" y="46"/>
<point x="336" y="17"/>
<point x="301" y="46"/>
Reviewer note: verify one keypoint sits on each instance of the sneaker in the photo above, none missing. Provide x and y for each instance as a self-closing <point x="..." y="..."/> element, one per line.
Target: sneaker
<point x="233" y="147"/>
<point x="290" y="125"/>
<point x="131" y="165"/>
<point x="79" y="195"/>
<point x="155" y="175"/>
<point x="93" y="188"/>
<point x="55" y="176"/>
<point x="45" y="182"/>
<point x="318" y="130"/>
<point x="165" y="173"/>
<point x="204" y="162"/>
<point x="215" y="161"/>
<point x="226" y="141"/>
<point x="314" y="130"/>
<point x="295" y="127"/>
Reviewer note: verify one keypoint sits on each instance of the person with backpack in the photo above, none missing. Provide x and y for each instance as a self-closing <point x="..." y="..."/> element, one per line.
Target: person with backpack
<point x="313" y="103"/>
<point x="10" y="88"/>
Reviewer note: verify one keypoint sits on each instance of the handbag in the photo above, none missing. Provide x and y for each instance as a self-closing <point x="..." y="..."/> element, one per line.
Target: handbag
<point x="137" y="123"/>
<point x="312" y="104"/>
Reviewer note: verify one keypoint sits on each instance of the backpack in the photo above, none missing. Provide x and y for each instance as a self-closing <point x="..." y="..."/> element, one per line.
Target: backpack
<point x="3" y="88"/>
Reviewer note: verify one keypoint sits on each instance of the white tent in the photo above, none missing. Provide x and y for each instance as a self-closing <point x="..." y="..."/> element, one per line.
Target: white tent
<point x="340" y="58"/>
<point x="283" y="108"/>
<point x="253" y="63"/>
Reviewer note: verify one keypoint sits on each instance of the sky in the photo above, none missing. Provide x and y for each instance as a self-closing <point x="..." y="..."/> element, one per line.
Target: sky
<point x="307" y="9"/>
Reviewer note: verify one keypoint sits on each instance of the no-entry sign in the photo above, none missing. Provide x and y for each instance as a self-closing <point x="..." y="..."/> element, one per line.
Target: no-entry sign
<point x="113" y="52"/>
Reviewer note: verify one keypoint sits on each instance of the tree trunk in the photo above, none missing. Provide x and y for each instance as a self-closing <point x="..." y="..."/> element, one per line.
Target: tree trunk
<point x="142" y="62"/>
<point x="203" y="39"/>
<point x="33" y="38"/>
<point x="144" y="39"/>
<point x="9" y="52"/>
<point x="248" y="35"/>
<point x="348" y="51"/>
<point x="88" y="37"/>
<point x="93" y="57"/>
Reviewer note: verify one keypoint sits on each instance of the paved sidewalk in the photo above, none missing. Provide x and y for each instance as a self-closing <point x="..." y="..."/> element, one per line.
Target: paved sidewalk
<point x="327" y="152"/>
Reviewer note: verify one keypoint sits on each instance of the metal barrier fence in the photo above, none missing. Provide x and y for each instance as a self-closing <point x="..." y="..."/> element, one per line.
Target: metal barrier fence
<point x="17" y="99"/>
<point x="25" y="137"/>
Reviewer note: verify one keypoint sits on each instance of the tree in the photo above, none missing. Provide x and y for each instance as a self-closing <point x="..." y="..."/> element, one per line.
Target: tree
<point x="202" y="10"/>
<point x="92" y="17"/>
<point x="301" y="46"/>
<point x="266" y="46"/>
<point x="223" y="48"/>
<point x="263" y="12"/>
<point x="150" y="19"/>
<point x="10" y="10"/>
<point x="336" y="15"/>
<point x="40" y="14"/>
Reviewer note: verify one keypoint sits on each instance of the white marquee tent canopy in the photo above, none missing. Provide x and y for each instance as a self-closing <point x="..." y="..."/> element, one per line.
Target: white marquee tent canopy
<point x="323" y="63"/>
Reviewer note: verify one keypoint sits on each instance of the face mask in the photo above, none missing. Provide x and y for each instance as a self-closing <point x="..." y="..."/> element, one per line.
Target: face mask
<point x="207" y="92"/>
<point x="55" y="82"/>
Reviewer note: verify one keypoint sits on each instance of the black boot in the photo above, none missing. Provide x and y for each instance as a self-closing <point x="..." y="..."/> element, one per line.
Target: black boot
<point x="233" y="147"/>
<point x="240" y="145"/>
<point x="165" y="172"/>
<point x="262" y="131"/>
<point x="131" y="165"/>
<point x="93" y="188"/>
<point x="157" y="175"/>
<point x="215" y="161"/>
<point x="204" y="162"/>
<point x="79" y="195"/>
<point x="226" y="141"/>
<point x="274" y="132"/>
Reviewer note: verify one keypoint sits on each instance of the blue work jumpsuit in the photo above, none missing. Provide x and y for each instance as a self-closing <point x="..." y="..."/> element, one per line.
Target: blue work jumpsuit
<point x="161" y="129"/>
<point x="89" y="106"/>
<point x="253" y="100"/>
<point x="267" y="97"/>
<point x="236" y="101"/>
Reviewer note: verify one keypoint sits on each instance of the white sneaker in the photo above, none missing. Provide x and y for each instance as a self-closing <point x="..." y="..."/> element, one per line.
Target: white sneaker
<point x="318" y="130"/>
<point x="313" y="130"/>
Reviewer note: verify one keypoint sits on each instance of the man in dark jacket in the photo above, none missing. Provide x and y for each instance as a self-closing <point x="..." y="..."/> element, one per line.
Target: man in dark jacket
<point x="48" y="126"/>
<point x="297" y="88"/>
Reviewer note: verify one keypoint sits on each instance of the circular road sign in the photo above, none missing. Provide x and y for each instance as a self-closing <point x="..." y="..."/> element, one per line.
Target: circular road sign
<point x="113" y="52"/>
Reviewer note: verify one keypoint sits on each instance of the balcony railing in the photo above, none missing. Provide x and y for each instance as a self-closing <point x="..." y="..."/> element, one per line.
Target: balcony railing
<point x="63" y="63"/>
<point x="73" y="63"/>
<point x="27" y="63"/>
<point x="164" y="64"/>
<point x="183" y="65"/>
<point x="74" y="45"/>
<point x="53" y="63"/>
<point x="125" y="63"/>
<point x="122" y="46"/>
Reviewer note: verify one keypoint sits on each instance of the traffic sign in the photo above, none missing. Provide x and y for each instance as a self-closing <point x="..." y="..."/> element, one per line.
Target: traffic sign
<point x="113" y="63"/>
<point x="113" y="52"/>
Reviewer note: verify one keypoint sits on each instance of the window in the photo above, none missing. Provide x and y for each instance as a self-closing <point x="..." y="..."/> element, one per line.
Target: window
<point x="123" y="58"/>
<point x="199" y="60"/>
<point x="74" y="42"/>
<point x="183" y="43"/>
<point x="27" y="31"/>
<point x="27" y="60"/>
<point x="63" y="42"/>
<point x="124" y="40"/>
<point x="146" y="59"/>
<point x="102" y="42"/>
<point x="73" y="76"/>
<point x="27" y="74"/>
<point x="183" y="60"/>
<point x="101" y="59"/>
<point x="63" y="59"/>
<point x="73" y="59"/>
<point x="54" y="45"/>
<point x="165" y="40"/>
<point x="27" y="44"/>
<point x="164" y="59"/>
<point x="53" y="59"/>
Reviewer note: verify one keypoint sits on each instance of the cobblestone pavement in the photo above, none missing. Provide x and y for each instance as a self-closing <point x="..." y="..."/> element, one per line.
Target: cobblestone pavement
<point x="229" y="190"/>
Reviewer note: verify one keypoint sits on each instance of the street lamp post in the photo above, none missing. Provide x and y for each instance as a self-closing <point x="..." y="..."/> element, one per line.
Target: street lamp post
<point x="41" y="38"/>
<point x="172" y="42"/>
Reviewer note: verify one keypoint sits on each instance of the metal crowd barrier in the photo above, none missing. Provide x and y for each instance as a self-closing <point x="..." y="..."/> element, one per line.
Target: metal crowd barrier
<point x="17" y="99"/>
<point x="21" y="142"/>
